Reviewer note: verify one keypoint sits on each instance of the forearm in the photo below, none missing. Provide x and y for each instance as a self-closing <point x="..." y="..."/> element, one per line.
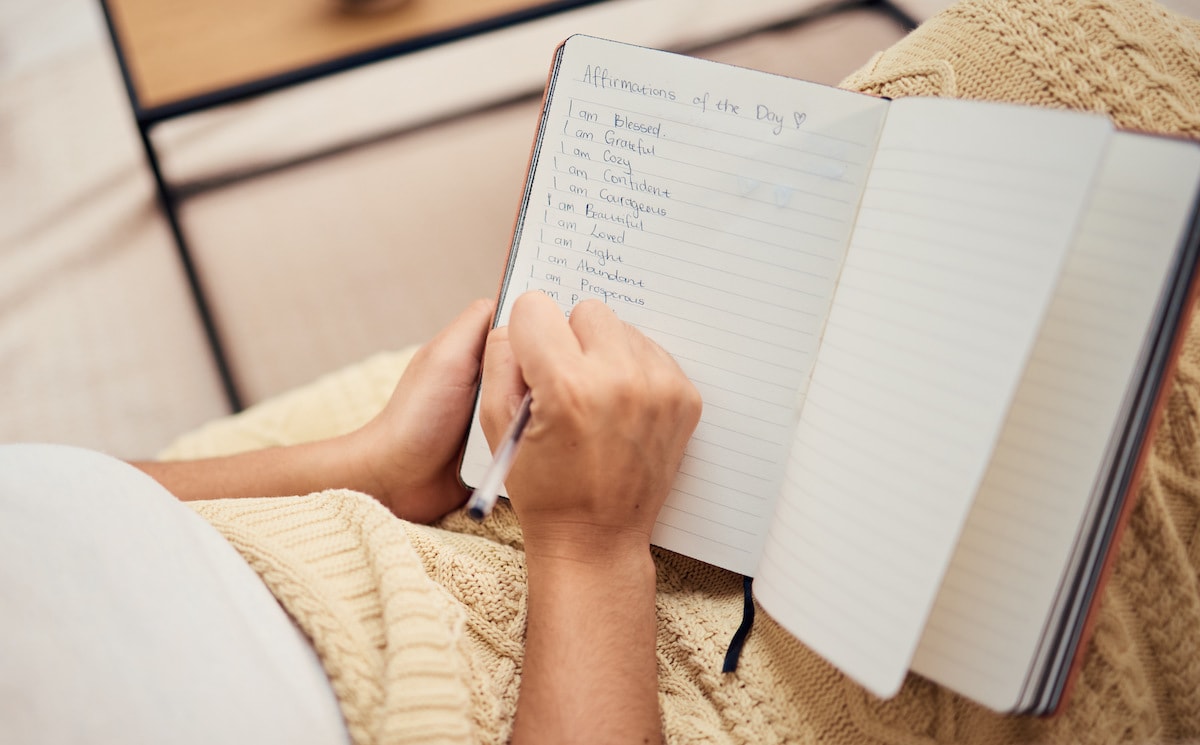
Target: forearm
<point x="280" y="471"/>
<point x="590" y="671"/>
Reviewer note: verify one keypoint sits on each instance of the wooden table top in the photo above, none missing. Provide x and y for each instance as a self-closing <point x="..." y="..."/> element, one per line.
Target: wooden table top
<point x="177" y="49"/>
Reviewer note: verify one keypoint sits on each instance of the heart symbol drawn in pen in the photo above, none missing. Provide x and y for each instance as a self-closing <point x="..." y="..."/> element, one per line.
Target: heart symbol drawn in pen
<point x="747" y="185"/>
<point x="783" y="195"/>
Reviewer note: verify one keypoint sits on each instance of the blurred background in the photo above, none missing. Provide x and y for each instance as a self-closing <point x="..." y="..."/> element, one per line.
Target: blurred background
<point x="330" y="220"/>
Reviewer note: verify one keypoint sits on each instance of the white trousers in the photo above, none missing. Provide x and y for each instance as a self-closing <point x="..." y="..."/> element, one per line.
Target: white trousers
<point x="126" y="618"/>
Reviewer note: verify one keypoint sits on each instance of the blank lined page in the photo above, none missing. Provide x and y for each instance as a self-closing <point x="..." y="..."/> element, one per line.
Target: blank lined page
<point x="966" y="221"/>
<point x="711" y="207"/>
<point x="1002" y="582"/>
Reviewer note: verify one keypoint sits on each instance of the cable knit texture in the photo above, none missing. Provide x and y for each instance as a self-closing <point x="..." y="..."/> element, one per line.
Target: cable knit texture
<point x="421" y="628"/>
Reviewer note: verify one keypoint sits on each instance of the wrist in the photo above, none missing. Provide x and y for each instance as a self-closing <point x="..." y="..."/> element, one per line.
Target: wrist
<point x="364" y="451"/>
<point x="589" y="547"/>
<point x="333" y="463"/>
<point x="592" y="562"/>
<point x="627" y="581"/>
<point x="589" y="672"/>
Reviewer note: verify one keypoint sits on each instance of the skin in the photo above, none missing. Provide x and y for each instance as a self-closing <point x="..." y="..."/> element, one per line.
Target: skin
<point x="611" y="415"/>
<point x="406" y="457"/>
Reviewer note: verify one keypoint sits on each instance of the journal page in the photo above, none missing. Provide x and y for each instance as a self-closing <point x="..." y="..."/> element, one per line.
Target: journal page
<point x="710" y="206"/>
<point x="968" y="214"/>
<point x="1018" y="539"/>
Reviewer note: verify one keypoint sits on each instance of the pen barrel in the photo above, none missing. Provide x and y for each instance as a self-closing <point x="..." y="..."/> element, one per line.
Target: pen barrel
<point x="483" y="499"/>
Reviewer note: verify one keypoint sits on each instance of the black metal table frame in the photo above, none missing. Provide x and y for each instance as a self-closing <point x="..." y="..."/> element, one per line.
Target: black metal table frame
<point x="147" y="118"/>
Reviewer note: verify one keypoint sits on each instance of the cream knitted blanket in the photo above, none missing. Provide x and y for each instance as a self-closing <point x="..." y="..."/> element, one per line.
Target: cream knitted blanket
<point x="421" y="628"/>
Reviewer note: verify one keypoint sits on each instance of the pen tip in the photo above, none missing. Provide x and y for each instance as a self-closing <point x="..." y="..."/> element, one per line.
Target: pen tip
<point x="476" y="514"/>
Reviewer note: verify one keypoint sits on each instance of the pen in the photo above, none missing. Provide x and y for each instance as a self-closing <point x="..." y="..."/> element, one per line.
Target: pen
<point x="483" y="499"/>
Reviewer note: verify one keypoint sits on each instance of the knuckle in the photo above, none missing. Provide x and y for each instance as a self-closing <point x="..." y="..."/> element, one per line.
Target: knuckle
<point x="693" y="404"/>
<point x="586" y="313"/>
<point x="567" y="399"/>
<point x="497" y="334"/>
<point x="678" y="396"/>
<point x="625" y="393"/>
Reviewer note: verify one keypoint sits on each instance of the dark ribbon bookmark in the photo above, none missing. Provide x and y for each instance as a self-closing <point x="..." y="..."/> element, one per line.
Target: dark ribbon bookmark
<point x="734" y="653"/>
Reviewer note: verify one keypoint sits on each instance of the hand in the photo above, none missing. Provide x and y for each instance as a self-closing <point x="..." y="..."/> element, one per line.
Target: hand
<point x="406" y="457"/>
<point x="410" y="451"/>
<point x="611" y="415"/>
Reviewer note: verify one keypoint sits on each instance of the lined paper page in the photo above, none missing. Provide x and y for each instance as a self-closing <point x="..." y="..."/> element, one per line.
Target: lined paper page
<point x="962" y="234"/>
<point x="1002" y="582"/>
<point x="711" y="207"/>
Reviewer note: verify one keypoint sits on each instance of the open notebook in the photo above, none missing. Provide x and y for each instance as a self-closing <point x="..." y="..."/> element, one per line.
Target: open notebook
<point x="929" y="335"/>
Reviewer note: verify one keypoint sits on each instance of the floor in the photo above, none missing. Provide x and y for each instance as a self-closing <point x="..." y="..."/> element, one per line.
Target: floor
<point x="307" y="269"/>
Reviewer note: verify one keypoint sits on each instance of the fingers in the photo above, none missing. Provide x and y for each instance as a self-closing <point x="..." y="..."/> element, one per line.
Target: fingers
<point x="463" y="340"/>
<point x="592" y="355"/>
<point x="410" y="449"/>
<point x="502" y="387"/>
<point x="598" y="328"/>
<point x="546" y="343"/>
<point x="541" y="338"/>
<point x="612" y="414"/>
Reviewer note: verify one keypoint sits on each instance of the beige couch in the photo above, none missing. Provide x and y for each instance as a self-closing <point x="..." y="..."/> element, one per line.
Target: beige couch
<point x="307" y="269"/>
